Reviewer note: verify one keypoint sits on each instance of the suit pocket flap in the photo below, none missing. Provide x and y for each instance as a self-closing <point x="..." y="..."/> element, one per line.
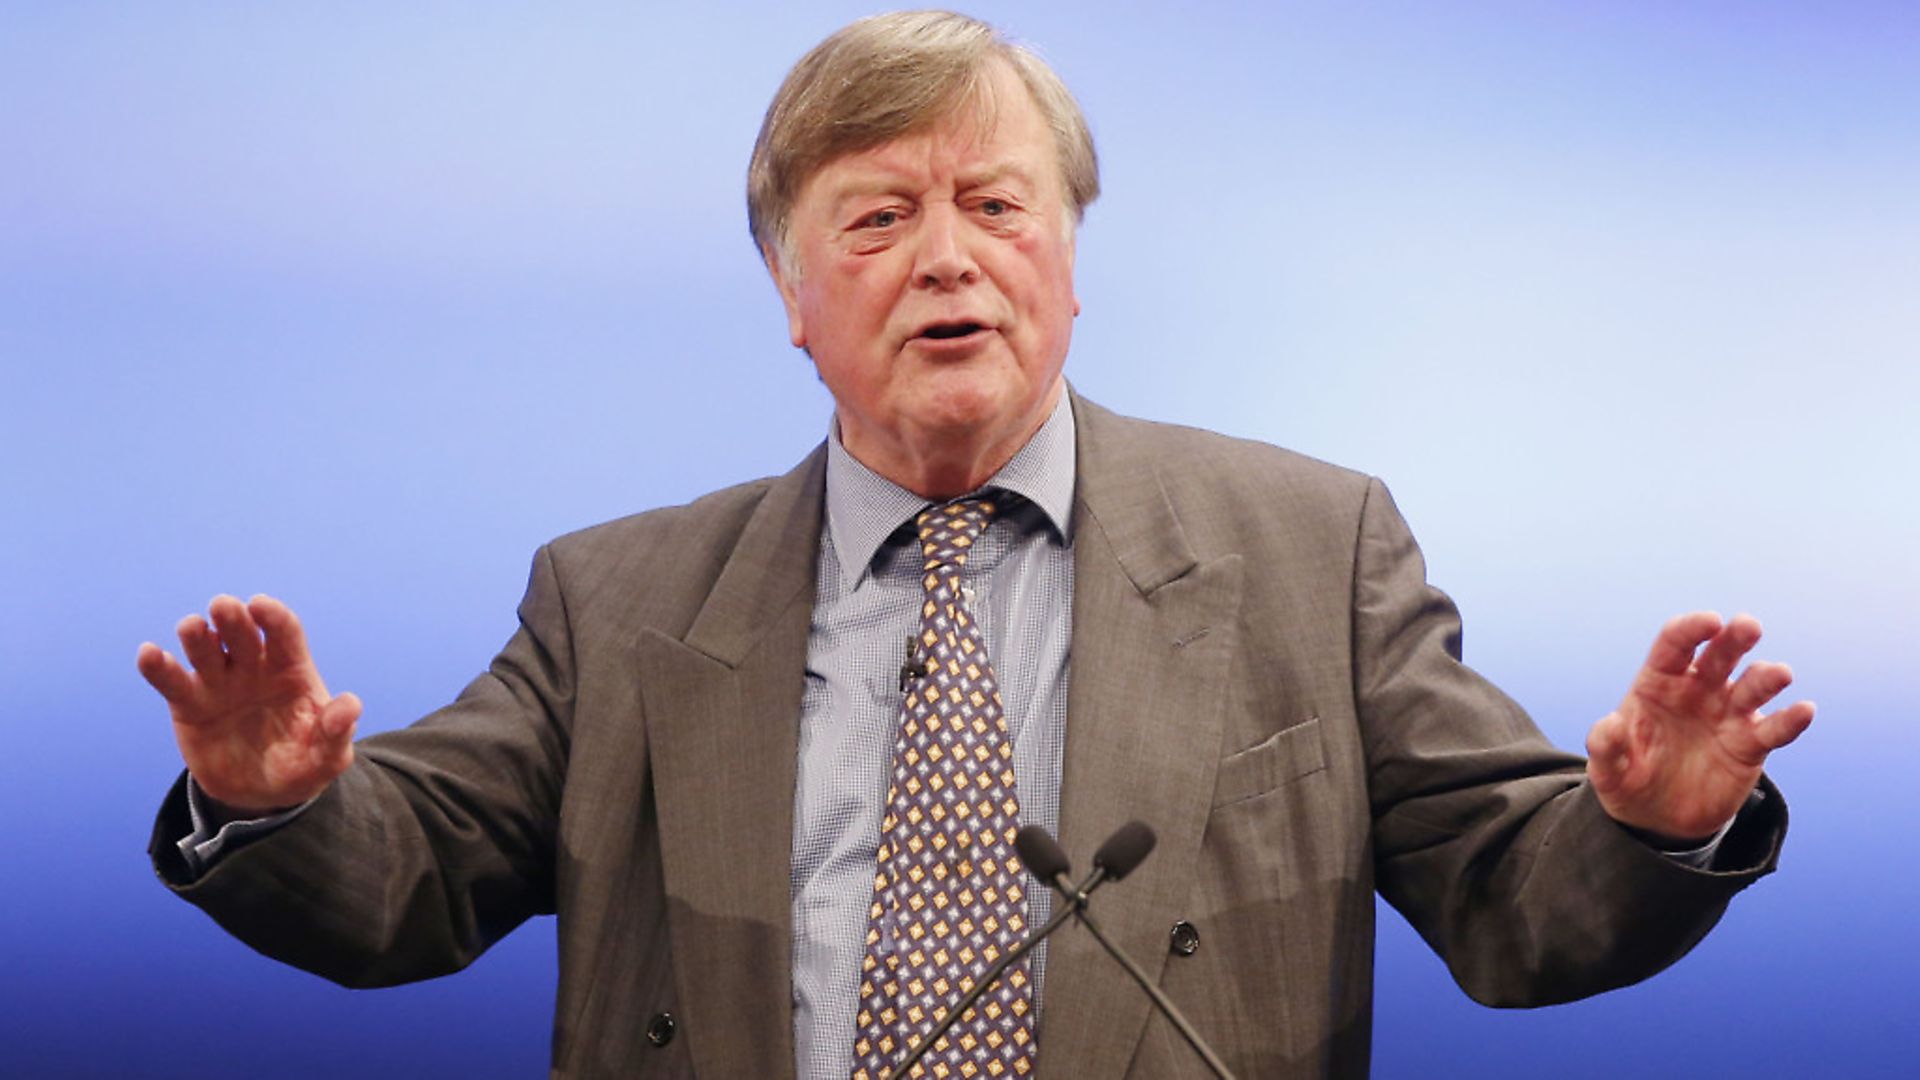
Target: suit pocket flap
<point x="1288" y="755"/>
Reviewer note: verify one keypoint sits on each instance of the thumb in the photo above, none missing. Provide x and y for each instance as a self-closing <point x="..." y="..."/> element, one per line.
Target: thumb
<point x="333" y="751"/>
<point x="1607" y="752"/>
<point x="338" y="716"/>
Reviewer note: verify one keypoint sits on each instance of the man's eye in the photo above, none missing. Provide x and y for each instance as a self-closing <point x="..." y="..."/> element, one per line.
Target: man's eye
<point x="881" y="219"/>
<point x="994" y="207"/>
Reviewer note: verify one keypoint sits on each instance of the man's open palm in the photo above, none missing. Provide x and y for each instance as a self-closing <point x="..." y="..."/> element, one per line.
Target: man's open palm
<point x="1684" y="749"/>
<point x="254" y="721"/>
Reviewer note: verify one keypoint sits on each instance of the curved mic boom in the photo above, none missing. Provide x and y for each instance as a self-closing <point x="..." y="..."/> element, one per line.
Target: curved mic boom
<point x="1126" y="849"/>
<point x="1122" y="852"/>
<point x="1044" y="857"/>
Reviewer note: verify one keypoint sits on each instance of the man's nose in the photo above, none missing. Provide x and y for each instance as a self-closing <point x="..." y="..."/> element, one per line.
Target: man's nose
<point x="946" y="259"/>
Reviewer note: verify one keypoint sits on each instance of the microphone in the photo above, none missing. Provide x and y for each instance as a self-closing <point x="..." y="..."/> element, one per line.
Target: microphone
<point x="1126" y="849"/>
<point x="914" y="667"/>
<point x="1040" y="853"/>
<point x="1043" y="856"/>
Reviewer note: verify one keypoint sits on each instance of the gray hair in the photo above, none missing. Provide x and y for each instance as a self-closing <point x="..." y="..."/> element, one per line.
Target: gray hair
<point x="889" y="76"/>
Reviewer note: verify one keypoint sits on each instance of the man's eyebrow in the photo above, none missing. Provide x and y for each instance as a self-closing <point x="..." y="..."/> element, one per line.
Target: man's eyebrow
<point x="861" y="187"/>
<point x="993" y="174"/>
<point x="876" y="184"/>
<point x="865" y="185"/>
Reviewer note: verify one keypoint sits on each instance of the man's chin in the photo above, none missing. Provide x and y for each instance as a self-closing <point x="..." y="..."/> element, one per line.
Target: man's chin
<point x="964" y="407"/>
<point x="948" y="435"/>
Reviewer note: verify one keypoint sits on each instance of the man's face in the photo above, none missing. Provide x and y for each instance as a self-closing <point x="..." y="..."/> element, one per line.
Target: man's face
<point x="932" y="283"/>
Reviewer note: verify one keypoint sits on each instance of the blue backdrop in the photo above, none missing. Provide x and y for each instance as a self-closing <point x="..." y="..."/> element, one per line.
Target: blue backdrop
<point x="358" y="304"/>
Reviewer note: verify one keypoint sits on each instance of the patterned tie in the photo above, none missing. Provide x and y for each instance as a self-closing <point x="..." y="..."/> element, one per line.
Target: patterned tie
<point x="948" y="891"/>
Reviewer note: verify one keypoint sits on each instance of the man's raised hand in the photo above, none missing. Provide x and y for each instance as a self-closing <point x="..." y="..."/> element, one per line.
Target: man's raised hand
<point x="1686" y="746"/>
<point x="255" y="723"/>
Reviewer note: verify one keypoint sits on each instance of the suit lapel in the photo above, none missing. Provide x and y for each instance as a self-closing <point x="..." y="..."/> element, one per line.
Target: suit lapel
<point x="1154" y="632"/>
<point x="723" y="709"/>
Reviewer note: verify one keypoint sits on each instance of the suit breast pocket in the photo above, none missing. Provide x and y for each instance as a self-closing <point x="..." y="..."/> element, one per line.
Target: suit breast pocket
<point x="1286" y="756"/>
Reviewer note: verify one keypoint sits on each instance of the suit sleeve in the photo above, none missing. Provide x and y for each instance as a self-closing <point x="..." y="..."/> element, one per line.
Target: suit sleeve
<point x="433" y="845"/>
<point x="1488" y="839"/>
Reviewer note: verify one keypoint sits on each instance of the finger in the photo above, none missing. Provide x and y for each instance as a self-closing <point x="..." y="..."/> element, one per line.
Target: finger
<point x="1672" y="652"/>
<point x="1607" y="752"/>
<point x="164" y="673"/>
<point x="1760" y="683"/>
<point x="336" y="725"/>
<point x="1777" y="729"/>
<point x="1718" y="659"/>
<point x="338" y="717"/>
<point x="237" y="631"/>
<point x="202" y="647"/>
<point x="286" y="644"/>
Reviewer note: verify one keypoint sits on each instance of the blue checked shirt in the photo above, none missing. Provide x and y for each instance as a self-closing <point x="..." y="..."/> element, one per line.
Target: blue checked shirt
<point x="866" y="606"/>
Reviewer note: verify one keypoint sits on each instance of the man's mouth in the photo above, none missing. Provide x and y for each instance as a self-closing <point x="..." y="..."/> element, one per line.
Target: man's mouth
<point x="949" y="330"/>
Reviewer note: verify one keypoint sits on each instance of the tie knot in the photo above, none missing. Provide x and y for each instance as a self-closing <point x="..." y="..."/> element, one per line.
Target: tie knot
<point x="947" y="532"/>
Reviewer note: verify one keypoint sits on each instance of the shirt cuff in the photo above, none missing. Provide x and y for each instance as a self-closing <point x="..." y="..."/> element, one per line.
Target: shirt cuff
<point x="201" y="848"/>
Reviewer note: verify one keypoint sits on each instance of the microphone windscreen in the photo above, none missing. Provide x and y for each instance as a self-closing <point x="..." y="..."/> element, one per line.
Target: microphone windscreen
<point x="1125" y="849"/>
<point x="1039" y="851"/>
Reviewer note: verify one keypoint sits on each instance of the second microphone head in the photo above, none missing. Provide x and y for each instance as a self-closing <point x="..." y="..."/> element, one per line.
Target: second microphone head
<point x="1127" y="848"/>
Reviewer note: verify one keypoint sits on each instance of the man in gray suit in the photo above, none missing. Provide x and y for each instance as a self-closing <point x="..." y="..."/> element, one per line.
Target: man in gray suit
<point x="685" y="750"/>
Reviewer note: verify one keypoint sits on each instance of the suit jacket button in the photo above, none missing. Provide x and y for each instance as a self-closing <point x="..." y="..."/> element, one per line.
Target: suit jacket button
<point x="1185" y="939"/>
<point x="660" y="1029"/>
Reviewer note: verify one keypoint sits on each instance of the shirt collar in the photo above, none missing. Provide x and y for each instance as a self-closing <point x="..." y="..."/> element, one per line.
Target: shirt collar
<point x="864" y="508"/>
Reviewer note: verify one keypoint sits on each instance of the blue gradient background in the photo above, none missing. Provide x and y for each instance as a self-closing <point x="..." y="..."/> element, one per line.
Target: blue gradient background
<point x="359" y="303"/>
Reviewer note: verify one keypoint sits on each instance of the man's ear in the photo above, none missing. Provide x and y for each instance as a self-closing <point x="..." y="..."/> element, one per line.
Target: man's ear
<point x="796" y="326"/>
<point x="1073" y="248"/>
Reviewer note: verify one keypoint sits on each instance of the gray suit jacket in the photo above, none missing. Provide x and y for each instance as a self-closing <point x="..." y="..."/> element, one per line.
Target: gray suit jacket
<point x="1260" y="672"/>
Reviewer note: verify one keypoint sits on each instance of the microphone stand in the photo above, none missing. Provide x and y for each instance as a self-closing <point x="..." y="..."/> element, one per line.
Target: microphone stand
<point x="1160" y="1000"/>
<point x="1076" y="900"/>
